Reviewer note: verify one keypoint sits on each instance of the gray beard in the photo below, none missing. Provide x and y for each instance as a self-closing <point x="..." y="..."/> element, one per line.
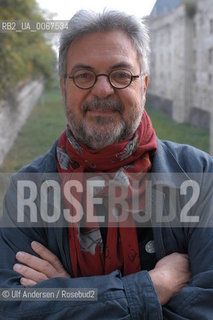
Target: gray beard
<point x="99" y="136"/>
<point x="96" y="139"/>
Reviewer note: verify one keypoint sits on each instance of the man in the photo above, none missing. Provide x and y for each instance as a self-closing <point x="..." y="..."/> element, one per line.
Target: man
<point x="103" y="62"/>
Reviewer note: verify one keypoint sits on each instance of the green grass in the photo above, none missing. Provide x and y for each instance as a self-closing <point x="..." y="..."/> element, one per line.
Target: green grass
<point x="168" y="129"/>
<point x="47" y="121"/>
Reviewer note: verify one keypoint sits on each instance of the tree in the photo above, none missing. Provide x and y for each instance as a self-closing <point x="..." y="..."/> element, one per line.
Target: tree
<point x="24" y="55"/>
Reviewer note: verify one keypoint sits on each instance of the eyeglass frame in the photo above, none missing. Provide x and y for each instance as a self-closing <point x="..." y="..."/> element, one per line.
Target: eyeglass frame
<point x="133" y="77"/>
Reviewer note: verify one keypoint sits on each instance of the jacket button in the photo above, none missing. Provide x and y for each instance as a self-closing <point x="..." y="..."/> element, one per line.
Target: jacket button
<point x="150" y="247"/>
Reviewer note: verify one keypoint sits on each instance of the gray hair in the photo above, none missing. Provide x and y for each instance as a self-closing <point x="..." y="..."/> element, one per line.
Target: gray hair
<point x="85" y="22"/>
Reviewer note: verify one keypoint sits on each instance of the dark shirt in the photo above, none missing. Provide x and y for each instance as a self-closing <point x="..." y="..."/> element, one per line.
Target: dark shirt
<point x="145" y="245"/>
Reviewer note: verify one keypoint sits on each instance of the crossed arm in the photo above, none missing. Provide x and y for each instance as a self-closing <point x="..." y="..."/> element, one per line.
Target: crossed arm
<point x="130" y="296"/>
<point x="170" y="274"/>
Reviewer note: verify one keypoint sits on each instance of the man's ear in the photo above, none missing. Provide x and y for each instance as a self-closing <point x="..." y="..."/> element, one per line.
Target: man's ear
<point x="146" y="80"/>
<point x="145" y="86"/>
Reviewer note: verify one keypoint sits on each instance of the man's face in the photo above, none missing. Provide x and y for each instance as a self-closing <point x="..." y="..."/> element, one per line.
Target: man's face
<point x="103" y="115"/>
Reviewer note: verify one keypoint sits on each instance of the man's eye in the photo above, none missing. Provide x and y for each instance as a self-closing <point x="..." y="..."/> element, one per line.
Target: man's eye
<point x="83" y="76"/>
<point x="121" y="75"/>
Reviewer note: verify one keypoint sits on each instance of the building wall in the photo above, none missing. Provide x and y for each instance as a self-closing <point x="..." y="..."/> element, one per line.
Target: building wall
<point x="202" y="67"/>
<point x="182" y="63"/>
<point x="14" y="114"/>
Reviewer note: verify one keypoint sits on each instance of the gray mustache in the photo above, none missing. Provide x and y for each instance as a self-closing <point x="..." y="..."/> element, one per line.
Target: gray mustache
<point x="103" y="105"/>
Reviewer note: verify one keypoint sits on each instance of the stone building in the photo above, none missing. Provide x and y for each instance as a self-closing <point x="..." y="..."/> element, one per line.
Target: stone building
<point x="181" y="80"/>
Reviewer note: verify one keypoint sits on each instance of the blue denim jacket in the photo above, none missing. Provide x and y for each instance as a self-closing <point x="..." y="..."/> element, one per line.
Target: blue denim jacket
<point x="119" y="297"/>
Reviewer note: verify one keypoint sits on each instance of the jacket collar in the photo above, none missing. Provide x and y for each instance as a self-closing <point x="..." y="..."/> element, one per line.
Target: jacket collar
<point x="166" y="167"/>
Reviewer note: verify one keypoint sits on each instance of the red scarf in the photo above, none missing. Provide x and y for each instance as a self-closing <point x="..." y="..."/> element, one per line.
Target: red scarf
<point x="129" y="156"/>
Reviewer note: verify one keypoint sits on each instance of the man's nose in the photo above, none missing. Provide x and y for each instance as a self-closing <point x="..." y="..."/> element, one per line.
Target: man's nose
<point x="102" y="88"/>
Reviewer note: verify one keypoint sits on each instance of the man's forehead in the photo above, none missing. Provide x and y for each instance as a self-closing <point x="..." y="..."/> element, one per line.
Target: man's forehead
<point x="97" y="37"/>
<point x="115" y="45"/>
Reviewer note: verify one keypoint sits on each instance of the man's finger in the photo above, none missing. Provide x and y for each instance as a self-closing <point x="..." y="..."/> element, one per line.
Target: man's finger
<point x="47" y="255"/>
<point x="27" y="282"/>
<point x="36" y="263"/>
<point x="29" y="273"/>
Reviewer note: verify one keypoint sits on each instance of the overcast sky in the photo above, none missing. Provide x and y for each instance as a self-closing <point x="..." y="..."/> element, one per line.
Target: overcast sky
<point x="64" y="9"/>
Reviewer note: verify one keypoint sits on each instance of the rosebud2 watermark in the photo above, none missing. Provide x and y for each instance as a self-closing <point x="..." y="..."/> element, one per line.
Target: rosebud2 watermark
<point x="42" y="200"/>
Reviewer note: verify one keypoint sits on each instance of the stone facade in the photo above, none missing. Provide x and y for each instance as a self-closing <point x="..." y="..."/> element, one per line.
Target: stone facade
<point x="182" y="62"/>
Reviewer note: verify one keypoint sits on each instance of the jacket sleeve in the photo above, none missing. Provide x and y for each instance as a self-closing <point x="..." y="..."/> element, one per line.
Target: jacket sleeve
<point x="129" y="297"/>
<point x="195" y="301"/>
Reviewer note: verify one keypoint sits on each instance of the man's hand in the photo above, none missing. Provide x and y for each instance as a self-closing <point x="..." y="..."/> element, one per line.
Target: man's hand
<point x="34" y="269"/>
<point x="170" y="274"/>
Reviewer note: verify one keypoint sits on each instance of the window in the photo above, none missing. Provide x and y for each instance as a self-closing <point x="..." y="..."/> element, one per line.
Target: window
<point x="169" y="35"/>
<point x="210" y="79"/>
<point x="194" y="29"/>
<point x="162" y="75"/>
<point x="194" y="77"/>
<point x="211" y="25"/>
<point x="211" y="56"/>
<point x="194" y="56"/>
<point x="169" y="58"/>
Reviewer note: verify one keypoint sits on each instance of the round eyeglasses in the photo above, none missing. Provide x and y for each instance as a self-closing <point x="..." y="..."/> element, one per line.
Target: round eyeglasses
<point x="86" y="79"/>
